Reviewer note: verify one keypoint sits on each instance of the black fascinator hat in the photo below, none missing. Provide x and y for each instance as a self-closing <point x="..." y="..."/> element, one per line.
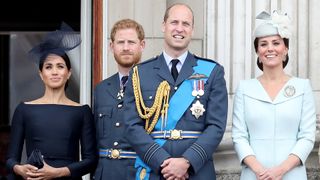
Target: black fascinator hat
<point x="57" y="42"/>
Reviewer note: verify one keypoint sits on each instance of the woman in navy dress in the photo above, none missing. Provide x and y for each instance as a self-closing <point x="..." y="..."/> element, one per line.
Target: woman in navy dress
<point x="59" y="127"/>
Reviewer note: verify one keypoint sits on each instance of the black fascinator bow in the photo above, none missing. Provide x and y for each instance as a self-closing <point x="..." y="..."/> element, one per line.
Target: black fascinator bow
<point x="57" y="42"/>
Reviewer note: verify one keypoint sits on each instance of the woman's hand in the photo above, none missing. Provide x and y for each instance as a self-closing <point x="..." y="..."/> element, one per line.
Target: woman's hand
<point x="274" y="173"/>
<point x="24" y="169"/>
<point x="48" y="172"/>
<point x="277" y="172"/>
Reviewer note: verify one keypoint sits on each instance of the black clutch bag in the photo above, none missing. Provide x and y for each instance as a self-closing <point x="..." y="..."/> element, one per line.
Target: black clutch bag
<point x="36" y="159"/>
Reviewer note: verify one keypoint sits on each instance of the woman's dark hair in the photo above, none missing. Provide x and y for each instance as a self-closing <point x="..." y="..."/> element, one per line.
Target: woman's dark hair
<point x="64" y="56"/>
<point x="284" y="63"/>
<point x="66" y="59"/>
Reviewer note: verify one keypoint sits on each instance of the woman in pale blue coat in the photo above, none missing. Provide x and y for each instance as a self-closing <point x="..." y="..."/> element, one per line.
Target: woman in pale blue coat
<point x="274" y="119"/>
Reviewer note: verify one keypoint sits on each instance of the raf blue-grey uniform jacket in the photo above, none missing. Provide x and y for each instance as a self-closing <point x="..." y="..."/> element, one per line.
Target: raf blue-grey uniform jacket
<point x="108" y="111"/>
<point x="212" y="124"/>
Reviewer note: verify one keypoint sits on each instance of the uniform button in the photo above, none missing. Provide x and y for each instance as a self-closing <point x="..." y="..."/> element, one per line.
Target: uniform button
<point x="100" y="115"/>
<point x="175" y="88"/>
<point x="119" y="105"/>
<point x="115" y="143"/>
<point x="150" y="97"/>
<point x="117" y="124"/>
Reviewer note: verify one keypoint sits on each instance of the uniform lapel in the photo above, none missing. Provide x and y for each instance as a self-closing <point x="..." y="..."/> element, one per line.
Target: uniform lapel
<point x="163" y="70"/>
<point x="187" y="69"/>
<point x="113" y="85"/>
<point x="185" y="72"/>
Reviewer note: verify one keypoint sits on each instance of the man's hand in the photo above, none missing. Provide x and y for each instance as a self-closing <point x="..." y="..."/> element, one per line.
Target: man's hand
<point x="175" y="168"/>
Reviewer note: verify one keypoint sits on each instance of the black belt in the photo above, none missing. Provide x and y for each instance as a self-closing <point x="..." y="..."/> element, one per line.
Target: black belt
<point x="117" y="154"/>
<point x="175" y="134"/>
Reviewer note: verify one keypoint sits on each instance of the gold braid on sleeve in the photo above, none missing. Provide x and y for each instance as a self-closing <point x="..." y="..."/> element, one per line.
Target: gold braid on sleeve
<point x="160" y="104"/>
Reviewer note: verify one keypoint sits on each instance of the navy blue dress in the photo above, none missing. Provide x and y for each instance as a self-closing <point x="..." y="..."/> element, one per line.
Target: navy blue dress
<point x="59" y="131"/>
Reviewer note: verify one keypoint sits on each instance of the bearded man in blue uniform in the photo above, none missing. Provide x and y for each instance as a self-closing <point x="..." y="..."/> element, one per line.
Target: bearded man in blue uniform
<point x="117" y="158"/>
<point x="176" y="107"/>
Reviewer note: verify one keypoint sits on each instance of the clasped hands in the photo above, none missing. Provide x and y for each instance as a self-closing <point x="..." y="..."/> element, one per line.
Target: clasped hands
<point x="30" y="172"/>
<point x="274" y="173"/>
<point x="175" y="169"/>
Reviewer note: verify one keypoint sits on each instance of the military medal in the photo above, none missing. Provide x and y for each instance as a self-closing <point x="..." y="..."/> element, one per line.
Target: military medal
<point x="201" y="87"/>
<point x="120" y="94"/>
<point x="123" y="82"/>
<point x="194" y="91"/>
<point x="197" y="109"/>
<point x="289" y="91"/>
<point x="198" y="87"/>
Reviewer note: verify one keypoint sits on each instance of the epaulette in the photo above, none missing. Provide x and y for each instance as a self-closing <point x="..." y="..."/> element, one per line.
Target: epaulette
<point x="205" y="59"/>
<point x="149" y="60"/>
<point x="146" y="61"/>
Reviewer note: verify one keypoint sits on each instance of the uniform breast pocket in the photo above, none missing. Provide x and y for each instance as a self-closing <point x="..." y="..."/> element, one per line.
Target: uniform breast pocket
<point x="148" y="97"/>
<point x="103" y="117"/>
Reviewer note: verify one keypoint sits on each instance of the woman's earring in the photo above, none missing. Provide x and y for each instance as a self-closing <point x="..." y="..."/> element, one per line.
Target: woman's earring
<point x="285" y="57"/>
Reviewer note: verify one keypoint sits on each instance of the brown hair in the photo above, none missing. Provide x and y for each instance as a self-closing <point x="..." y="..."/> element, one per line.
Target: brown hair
<point x="127" y="24"/>
<point x="166" y="14"/>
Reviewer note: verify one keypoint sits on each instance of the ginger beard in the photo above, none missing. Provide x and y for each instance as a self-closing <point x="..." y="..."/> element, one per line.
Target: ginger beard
<point x="127" y="59"/>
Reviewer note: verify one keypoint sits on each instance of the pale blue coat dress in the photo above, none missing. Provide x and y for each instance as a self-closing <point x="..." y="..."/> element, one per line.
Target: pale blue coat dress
<point x="271" y="130"/>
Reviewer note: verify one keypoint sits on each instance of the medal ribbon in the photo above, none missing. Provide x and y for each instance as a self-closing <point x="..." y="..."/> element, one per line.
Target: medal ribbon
<point x="181" y="100"/>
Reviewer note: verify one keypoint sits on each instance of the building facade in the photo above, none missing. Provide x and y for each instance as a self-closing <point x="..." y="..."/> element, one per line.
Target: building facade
<point x="223" y="32"/>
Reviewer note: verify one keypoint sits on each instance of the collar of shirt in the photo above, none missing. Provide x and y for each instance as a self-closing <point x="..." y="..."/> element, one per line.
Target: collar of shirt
<point x="181" y="58"/>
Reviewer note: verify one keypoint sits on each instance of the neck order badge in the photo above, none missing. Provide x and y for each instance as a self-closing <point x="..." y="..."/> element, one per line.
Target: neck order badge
<point x="124" y="80"/>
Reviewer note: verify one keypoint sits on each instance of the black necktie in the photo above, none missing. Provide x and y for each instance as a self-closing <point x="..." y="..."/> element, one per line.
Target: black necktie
<point x="124" y="80"/>
<point x="174" y="70"/>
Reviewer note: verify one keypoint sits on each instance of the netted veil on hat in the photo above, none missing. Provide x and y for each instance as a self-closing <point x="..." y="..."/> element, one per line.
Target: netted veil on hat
<point x="275" y="24"/>
<point x="57" y="42"/>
